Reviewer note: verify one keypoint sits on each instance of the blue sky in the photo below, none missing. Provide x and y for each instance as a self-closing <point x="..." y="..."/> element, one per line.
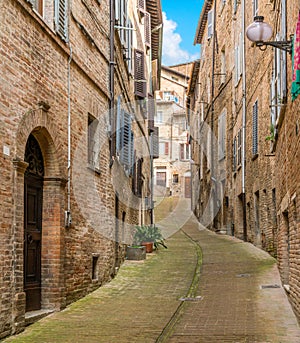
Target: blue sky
<point x="180" y="23"/>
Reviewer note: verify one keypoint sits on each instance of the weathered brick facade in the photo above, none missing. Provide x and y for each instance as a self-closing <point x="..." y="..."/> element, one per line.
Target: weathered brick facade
<point x="258" y="193"/>
<point x="56" y="83"/>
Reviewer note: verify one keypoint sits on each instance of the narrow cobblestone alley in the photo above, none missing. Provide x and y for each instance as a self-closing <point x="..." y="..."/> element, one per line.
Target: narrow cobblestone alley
<point x="237" y="298"/>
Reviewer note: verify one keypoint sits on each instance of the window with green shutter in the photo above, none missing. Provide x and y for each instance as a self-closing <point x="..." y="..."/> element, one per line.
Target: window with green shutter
<point x="61" y="18"/>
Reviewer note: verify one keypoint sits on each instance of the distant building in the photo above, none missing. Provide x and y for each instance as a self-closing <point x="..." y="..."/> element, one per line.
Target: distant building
<point x="172" y="168"/>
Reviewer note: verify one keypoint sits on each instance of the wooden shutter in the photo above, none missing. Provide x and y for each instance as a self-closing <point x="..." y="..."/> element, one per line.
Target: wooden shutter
<point x="210" y="24"/>
<point x="126" y="138"/>
<point x="147" y="28"/>
<point x="155" y="142"/>
<point x="154" y="75"/>
<point x="151" y="111"/>
<point x="61" y="18"/>
<point x="118" y="126"/>
<point x="221" y="135"/>
<point x="181" y="157"/>
<point x="255" y="129"/>
<point x="139" y="74"/>
<point x="234" y="155"/>
<point x="167" y="148"/>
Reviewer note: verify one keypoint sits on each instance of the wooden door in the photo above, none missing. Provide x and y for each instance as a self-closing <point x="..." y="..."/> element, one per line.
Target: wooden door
<point x="33" y="203"/>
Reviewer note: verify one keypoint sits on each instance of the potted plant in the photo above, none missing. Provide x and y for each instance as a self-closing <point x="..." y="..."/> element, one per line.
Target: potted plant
<point x="149" y="236"/>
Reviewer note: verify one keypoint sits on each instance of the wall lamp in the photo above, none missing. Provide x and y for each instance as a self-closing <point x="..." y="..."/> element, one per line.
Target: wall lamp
<point x="259" y="32"/>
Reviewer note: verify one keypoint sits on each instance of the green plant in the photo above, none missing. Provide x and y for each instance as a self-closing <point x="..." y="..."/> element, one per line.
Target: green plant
<point x="272" y="134"/>
<point x="148" y="233"/>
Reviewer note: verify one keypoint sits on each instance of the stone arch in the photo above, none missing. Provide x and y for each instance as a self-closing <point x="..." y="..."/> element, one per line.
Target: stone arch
<point x="39" y="123"/>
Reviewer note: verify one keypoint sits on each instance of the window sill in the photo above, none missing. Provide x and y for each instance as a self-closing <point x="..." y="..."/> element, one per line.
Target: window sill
<point x="96" y="170"/>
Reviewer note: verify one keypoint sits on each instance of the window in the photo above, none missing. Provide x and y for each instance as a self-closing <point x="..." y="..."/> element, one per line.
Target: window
<point x="238" y="55"/>
<point x="234" y="154"/>
<point x="129" y="42"/>
<point x="184" y="151"/>
<point x="139" y="74"/>
<point x="137" y="182"/>
<point x="222" y="135"/>
<point x="255" y="129"/>
<point x="94" y="267"/>
<point x="210" y="24"/>
<point x="93" y="142"/>
<point x="255" y="7"/>
<point x="175" y="178"/>
<point x="239" y="147"/>
<point x="223" y="67"/>
<point x="147" y="29"/>
<point x="276" y="89"/>
<point x="159" y="117"/>
<point x="164" y="148"/>
<point x="124" y="137"/>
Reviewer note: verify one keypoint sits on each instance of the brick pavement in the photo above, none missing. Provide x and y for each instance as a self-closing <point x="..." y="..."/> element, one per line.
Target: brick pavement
<point x="142" y="304"/>
<point x="234" y="305"/>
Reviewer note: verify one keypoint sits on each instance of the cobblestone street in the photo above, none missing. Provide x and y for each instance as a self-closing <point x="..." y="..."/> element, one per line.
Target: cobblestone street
<point x="204" y="288"/>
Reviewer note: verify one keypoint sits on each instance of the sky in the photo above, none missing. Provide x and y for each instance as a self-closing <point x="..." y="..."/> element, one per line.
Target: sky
<point x="180" y="22"/>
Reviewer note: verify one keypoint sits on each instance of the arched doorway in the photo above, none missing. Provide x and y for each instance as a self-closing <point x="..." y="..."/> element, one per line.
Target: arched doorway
<point x="33" y="209"/>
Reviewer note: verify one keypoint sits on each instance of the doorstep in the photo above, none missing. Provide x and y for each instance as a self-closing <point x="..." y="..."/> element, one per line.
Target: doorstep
<point x="33" y="316"/>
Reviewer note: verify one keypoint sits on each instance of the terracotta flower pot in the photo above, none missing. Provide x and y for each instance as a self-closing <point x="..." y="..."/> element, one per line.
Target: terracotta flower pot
<point x="149" y="246"/>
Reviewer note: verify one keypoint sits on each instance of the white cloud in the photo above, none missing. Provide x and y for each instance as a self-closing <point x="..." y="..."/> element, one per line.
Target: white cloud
<point x="172" y="53"/>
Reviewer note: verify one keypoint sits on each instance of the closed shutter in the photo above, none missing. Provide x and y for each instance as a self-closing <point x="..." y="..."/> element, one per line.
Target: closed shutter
<point x="139" y="74"/>
<point x="255" y="129"/>
<point x="210" y="24"/>
<point x="155" y="142"/>
<point x="147" y="28"/>
<point x="167" y="148"/>
<point x="126" y="138"/>
<point x="221" y="135"/>
<point x="61" y="18"/>
<point x="151" y="110"/>
<point x="118" y="126"/>
<point x="234" y="164"/>
<point x="129" y="42"/>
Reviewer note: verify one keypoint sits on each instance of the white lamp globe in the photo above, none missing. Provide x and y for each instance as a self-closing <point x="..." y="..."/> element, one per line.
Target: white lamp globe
<point x="259" y="31"/>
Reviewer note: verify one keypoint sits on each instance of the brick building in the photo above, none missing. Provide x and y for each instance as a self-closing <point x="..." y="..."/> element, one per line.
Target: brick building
<point x="76" y="115"/>
<point x="243" y="96"/>
<point x="172" y="168"/>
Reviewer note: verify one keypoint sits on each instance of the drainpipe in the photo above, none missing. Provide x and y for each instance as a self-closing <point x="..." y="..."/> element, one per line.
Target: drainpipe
<point x="68" y="218"/>
<point x="284" y="59"/>
<point x="212" y="167"/>
<point x="111" y="68"/>
<point x="244" y="126"/>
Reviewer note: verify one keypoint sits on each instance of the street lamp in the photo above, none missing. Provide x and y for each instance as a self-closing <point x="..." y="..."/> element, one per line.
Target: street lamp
<point x="259" y="32"/>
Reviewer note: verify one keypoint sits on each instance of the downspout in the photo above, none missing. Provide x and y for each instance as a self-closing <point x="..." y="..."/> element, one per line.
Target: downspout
<point x="68" y="218"/>
<point x="151" y="180"/>
<point x="244" y="126"/>
<point x="284" y="55"/>
<point x="212" y="167"/>
<point x="111" y="73"/>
